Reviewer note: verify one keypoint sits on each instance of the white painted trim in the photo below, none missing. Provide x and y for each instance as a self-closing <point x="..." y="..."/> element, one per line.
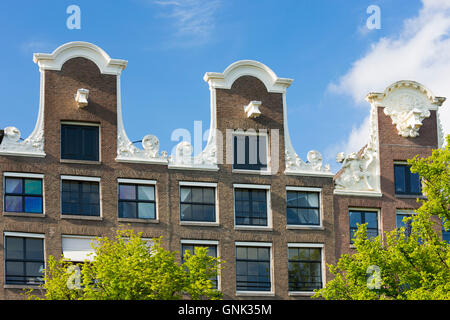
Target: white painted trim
<point x="74" y="236"/>
<point x="81" y="178"/>
<point x="136" y="181"/>
<point x="70" y="50"/>
<point x="197" y="184"/>
<point x="201" y="242"/>
<point x="23" y="175"/>
<point x="24" y="234"/>
<point x="306" y="189"/>
<point x="252" y="244"/>
<point x="374" y="194"/>
<point x="251" y="186"/>
<point x="309" y="173"/>
<point x="305" y="245"/>
<point x="81" y="123"/>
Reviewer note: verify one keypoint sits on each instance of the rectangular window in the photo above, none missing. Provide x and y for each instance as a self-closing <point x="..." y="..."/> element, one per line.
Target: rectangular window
<point x="359" y="217"/>
<point x="24" y="260"/>
<point x="250" y="152"/>
<point x="406" y="182"/>
<point x="303" y="208"/>
<point x="212" y="252"/>
<point x="253" y="268"/>
<point x="250" y="206"/>
<point x="137" y="201"/>
<point x="197" y="203"/>
<point x="23" y="195"/>
<point x="80" y="198"/>
<point x="79" y="142"/>
<point x="78" y="248"/>
<point x="403" y="224"/>
<point x="305" y="268"/>
<point x="445" y="233"/>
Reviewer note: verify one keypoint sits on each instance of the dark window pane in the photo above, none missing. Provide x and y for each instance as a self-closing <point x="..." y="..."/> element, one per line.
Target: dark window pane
<point x="14" y="248"/>
<point x="406" y="182"/>
<point x="34" y="249"/>
<point x="80" y="198"/>
<point x="414" y="184"/>
<point x="127" y="192"/>
<point x="79" y="142"/>
<point x="13" y="204"/>
<point x="186" y="194"/>
<point x="250" y="152"/>
<point x="400" y="182"/>
<point x="127" y="210"/>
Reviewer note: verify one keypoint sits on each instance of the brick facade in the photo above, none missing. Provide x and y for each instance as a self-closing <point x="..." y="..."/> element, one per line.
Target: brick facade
<point x="333" y="235"/>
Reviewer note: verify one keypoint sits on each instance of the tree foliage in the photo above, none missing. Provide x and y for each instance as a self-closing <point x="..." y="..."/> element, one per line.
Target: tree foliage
<point x="128" y="268"/>
<point x="402" y="266"/>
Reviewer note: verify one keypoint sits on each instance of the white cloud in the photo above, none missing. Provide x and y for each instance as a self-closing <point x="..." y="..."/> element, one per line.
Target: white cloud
<point x="192" y="20"/>
<point x="420" y="51"/>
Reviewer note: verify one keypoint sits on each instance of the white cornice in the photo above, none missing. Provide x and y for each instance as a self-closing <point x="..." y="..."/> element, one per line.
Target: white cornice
<point x="247" y="68"/>
<point x="56" y="59"/>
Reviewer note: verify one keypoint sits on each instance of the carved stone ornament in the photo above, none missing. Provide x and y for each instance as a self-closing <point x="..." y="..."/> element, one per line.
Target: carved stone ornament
<point x="13" y="145"/>
<point x="408" y="103"/>
<point x="313" y="165"/>
<point x="81" y="97"/>
<point x="127" y="151"/>
<point x="252" y="109"/>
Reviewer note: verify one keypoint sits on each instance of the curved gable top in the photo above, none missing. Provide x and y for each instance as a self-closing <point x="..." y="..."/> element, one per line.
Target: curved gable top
<point x="248" y="68"/>
<point x="70" y="50"/>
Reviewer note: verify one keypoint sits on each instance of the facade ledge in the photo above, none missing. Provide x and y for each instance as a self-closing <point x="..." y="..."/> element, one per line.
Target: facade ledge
<point x="255" y="293"/>
<point x="199" y="223"/>
<point x="137" y="220"/>
<point x="355" y="193"/>
<point x="295" y="227"/>
<point x="81" y="217"/>
<point x="309" y="173"/>
<point x="24" y="214"/>
<point x="80" y="162"/>
<point x="301" y="293"/>
<point x="22" y="286"/>
<point x="252" y="228"/>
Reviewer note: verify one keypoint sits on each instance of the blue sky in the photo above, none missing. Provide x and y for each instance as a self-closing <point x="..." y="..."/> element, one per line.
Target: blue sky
<point x="324" y="45"/>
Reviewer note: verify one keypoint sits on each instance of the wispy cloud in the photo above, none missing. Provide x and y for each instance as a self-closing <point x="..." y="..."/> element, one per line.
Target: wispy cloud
<point x="420" y="51"/>
<point x="193" y="21"/>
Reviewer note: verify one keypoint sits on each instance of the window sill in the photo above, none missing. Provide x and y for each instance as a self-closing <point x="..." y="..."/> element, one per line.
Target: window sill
<point x="246" y="171"/>
<point x="410" y="196"/>
<point x="304" y="227"/>
<point x="253" y="228"/>
<point x="22" y="286"/>
<point x="301" y="293"/>
<point x="81" y="217"/>
<point x="24" y="214"/>
<point x="79" y="161"/>
<point x="255" y="293"/>
<point x="138" y="220"/>
<point x="199" y="223"/>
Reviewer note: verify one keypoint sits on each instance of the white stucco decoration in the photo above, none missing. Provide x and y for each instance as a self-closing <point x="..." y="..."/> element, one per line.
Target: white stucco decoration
<point x="407" y="103"/>
<point x="252" y="109"/>
<point x="81" y="97"/>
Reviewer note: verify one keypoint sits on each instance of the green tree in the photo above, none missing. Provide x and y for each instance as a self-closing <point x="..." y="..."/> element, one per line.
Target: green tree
<point x="128" y="268"/>
<point x="414" y="266"/>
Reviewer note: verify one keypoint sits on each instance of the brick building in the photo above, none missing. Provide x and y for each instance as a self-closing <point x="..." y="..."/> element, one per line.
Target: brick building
<point x="273" y="217"/>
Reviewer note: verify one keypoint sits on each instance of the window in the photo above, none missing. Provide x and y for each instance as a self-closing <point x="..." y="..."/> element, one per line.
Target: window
<point x="359" y="217"/>
<point x="445" y="233"/>
<point x="212" y="252"/>
<point x="137" y="201"/>
<point x="23" y="194"/>
<point x="406" y="183"/>
<point x="305" y="268"/>
<point x="80" y="198"/>
<point x="250" y="152"/>
<point x="197" y="203"/>
<point x="251" y="207"/>
<point x="24" y="260"/>
<point x="401" y="223"/>
<point x="253" y="268"/>
<point x="78" y="248"/>
<point x="80" y="142"/>
<point x="303" y="208"/>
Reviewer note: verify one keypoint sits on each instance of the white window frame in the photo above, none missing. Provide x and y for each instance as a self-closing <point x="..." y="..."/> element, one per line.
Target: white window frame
<point x="261" y="132"/>
<point x="262" y="245"/>
<point x="207" y="243"/>
<point x="321" y="214"/>
<point x="321" y="246"/>
<point x="23" y="175"/>
<point x="269" y="206"/>
<point x="67" y="236"/>
<point x="87" y="179"/>
<point x="216" y="200"/>
<point x="142" y="182"/>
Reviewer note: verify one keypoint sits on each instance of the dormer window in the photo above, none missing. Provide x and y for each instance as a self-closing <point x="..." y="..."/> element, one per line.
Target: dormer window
<point x="250" y="151"/>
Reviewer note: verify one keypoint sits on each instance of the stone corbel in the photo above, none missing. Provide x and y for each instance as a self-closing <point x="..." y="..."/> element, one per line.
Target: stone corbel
<point x="81" y="97"/>
<point x="252" y="109"/>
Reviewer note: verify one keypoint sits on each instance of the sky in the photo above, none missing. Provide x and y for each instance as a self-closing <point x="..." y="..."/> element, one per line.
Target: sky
<point x="324" y="45"/>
